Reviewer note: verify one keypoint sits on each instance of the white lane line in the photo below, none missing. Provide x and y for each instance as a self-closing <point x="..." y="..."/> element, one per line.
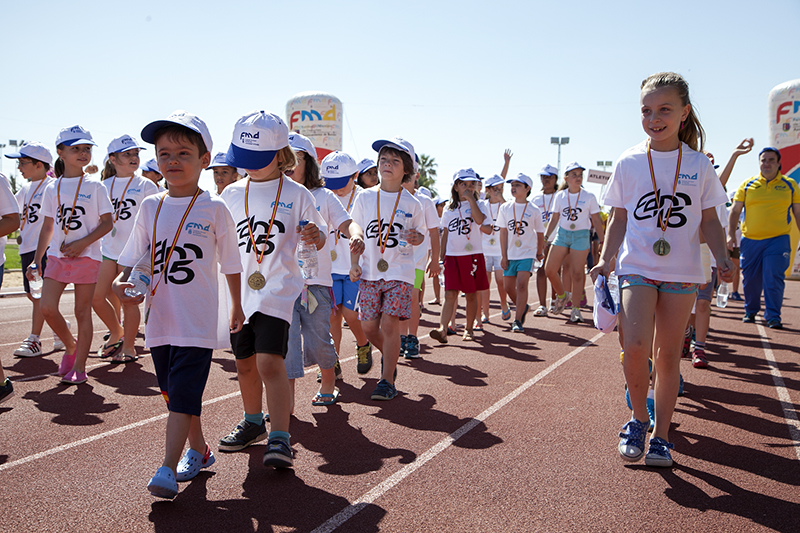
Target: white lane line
<point x="789" y="414"/>
<point x="385" y="486"/>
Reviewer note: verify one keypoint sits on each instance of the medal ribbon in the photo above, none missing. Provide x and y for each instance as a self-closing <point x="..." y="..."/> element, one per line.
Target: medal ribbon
<point x="514" y="207"/>
<point x="569" y="204"/>
<point x="662" y="223"/>
<point x="65" y="226"/>
<point x="382" y="245"/>
<point x="349" y="204"/>
<point x="547" y="212"/>
<point x="462" y="218"/>
<point x="30" y="199"/>
<point x="494" y="219"/>
<point x="260" y="256"/>
<point x="171" y="248"/>
<point x="111" y="195"/>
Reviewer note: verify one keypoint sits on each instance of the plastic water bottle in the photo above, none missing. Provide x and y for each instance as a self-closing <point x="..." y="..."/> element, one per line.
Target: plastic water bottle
<point x="307" y="257"/>
<point x="404" y="247"/>
<point x="140" y="277"/>
<point x="613" y="288"/>
<point x="722" y="295"/>
<point x="36" y="284"/>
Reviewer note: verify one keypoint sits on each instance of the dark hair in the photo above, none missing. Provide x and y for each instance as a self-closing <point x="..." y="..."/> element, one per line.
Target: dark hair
<point x="108" y="170"/>
<point x="47" y="165"/>
<point x="408" y="163"/>
<point x="58" y="166"/>
<point x="691" y="131"/>
<point x="176" y="132"/>
<point x="455" y="201"/>
<point x="360" y="180"/>
<point x="312" y="180"/>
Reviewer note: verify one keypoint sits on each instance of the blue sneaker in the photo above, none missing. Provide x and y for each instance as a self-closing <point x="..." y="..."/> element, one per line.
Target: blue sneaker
<point x="631" y="443"/>
<point x="651" y="413"/>
<point x="658" y="454"/>
<point x="403" y="345"/>
<point x="384" y="391"/>
<point x="680" y="387"/>
<point x="278" y="454"/>
<point x="412" y="347"/>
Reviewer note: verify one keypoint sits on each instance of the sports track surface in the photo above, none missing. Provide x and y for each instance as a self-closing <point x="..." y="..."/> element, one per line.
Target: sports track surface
<point x="515" y="432"/>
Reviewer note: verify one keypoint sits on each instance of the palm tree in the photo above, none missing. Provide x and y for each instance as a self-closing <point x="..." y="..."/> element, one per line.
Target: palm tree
<point x="427" y="173"/>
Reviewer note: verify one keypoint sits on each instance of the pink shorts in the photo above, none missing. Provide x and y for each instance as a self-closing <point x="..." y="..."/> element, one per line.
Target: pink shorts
<point x="378" y="297"/>
<point x="77" y="270"/>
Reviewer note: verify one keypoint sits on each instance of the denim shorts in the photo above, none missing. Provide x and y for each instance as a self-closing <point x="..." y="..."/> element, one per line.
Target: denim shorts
<point x="310" y="338"/>
<point x="675" y="287"/>
<point x="518" y="265"/>
<point x="573" y="239"/>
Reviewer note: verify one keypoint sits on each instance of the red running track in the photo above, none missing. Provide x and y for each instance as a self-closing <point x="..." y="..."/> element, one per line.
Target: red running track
<point x="515" y="432"/>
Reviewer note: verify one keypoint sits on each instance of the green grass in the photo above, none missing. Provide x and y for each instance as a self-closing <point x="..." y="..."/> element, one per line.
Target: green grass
<point x="12" y="257"/>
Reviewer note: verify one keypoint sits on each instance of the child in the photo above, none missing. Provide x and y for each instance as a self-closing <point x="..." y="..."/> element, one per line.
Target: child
<point x="34" y="160"/>
<point x="438" y="281"/>
<point x="521" y="243"/>
<point x="267" y="208"/>
<point x="224" y="174"/>
<point x="575" y="209"/>
<point x="462" y="248"/>
<point x="126" y="191"/>
<point x="544" y="201"/>
<point x="384" y="296"/>
<point x="657" y="222"/>
<point x="151" y="172"/>
<point x="77" y="213"/>
<point x="367" y="174"/>
<point x="9" y="221"/>
<point x="491" y="246"/>
<point x="310" y="330"/>
<point x="181" y="236"/>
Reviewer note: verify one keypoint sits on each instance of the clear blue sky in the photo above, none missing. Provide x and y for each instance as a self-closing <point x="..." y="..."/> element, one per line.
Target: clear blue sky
<point x="461" y="80"/>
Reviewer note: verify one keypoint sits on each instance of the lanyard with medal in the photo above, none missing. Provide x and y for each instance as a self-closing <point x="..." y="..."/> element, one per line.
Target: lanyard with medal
<point x="171" y="248"/>
<point x="494" y="219"/>
<point x="65" y="223"/>
<point x="119" y="205"/>
<point x="257" y="281"/>
<point x="547" y="212"/>
<point x="337" y="232"/>
<point x="517" y="227"/>
<point x="468" y="246"/>
<point x="577" y="203"/>
<point x="661" y="246"/>
<point x="25" y="211"/>
<point x="383" y="265"/>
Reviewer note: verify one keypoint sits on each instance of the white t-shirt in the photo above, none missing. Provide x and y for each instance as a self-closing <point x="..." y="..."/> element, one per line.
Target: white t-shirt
<point x="341" y="265"/>
<point x="523" y="222"/>
<point x="545" y="203"/>
<point x="631" y="188"/>
<point x="29" y="199"/>
<point x="491" y="243"/>
<point x="185" y="309"/>
<point x="8" y="206"/>
<point x="431" y="223"/>
<point x="462" y="231"/>
<point x="92" y="203"/>
<point x="279" y="266"/>
<point x="575" y="209"/>
<point x="365" y="214"/>
<point x="334" y="215"/>
<point x="125" y="202"/>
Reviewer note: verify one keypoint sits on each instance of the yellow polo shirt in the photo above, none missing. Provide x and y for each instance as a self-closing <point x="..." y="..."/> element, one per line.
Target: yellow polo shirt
<point x="767" y="206"/>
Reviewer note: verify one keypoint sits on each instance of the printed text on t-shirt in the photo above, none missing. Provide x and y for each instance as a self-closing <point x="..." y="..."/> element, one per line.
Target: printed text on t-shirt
<point x="646" y="208"/>
<point x="260" y="229"/>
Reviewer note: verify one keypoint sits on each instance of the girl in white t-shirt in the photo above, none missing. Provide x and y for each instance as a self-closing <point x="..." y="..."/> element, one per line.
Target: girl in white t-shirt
<point x="491" y="246"/>
<point x="575" y="211"/>
<point x="126" y="191"/>
<point x="77" y="214"/>
<point x="544" y="201"/>
<point x="664" y="192"/>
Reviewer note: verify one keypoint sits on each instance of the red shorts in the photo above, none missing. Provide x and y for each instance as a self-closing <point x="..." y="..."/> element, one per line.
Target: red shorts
<point x="77" y="270"/>
<point x="465" y="273"/>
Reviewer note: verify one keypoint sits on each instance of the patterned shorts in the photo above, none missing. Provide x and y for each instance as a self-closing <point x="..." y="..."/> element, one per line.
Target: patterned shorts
<point x="378" y="297"/>
<point x="676" y="287"/>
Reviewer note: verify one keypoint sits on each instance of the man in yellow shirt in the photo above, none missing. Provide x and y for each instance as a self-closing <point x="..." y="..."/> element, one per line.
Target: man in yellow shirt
<point x="768" y="200"/>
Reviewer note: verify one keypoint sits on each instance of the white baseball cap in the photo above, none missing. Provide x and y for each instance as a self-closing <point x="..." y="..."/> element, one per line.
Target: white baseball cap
<point x="494" y="180"/>
<point x="301" y="143"/>
<point x="441" y="200"/>
<point x="151" y="166"/>
<point x="521" y="178"/>
<point x="397" y="143"/>
<point x="181" y="118"/>
<point x="337" y="168"/>
<point x="123" y="144"/>
<point x="573" y="166"/>
<point x="220" y="160"/>
<point x="424" y="191"/>
<point x="257" y="137"/>
<point x="34" y="150"/>
<point x="465" y="174"/>
<point x="365" y="165"/>
<point x="548" y="170"/>
<point x="74" y="135"/>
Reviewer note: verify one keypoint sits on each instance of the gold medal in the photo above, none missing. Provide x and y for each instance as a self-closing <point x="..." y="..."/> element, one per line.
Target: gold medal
<point x="256" y="281"/>
<point x="661" y="247"/>
<point x="492" y="241"/>
<point x="572" y="226"/>
<point x="333" y="255"/>
<point x="383" y="266"/>
<point x="518" y="243"/>
<point x="19" y="240"/>
<point x="468" y="247"/>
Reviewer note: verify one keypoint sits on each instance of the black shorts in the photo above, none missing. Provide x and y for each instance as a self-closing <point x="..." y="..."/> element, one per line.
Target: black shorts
<point x="182" y="373"/>
<point x="261" y="334"/>
<point x="26" y="260"/>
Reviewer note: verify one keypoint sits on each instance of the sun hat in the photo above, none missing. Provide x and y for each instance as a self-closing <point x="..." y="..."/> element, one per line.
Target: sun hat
<point x="521" y="178"/>
<point x="74" y="135"/>
<point x="573" y="166"/>
<point x="181" y="118"/>
<point x="397" y="143"/>
<point x="301" y="143"/>
<point x="123" y="143"/>
<point x="33" y="150"/>
<point x="337" y="168"/>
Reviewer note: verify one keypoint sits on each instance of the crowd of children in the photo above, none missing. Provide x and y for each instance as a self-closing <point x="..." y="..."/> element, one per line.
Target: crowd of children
<point x="377" y="235"/>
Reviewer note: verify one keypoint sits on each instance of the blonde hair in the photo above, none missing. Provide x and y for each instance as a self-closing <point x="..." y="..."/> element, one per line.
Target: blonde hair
<point x="287" y="159"/>
<point x="108" y="170"/>
<point x="691" y="131"/>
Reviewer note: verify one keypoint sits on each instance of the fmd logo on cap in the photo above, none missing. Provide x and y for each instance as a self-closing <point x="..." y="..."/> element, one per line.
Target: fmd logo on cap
<point x="123" y="144"/>
<point x="257" y="137"/>
<point x="181" y="118"/>
<point x="337" y="169"/>
<point x="521" y="178"/>
<point x="74" y="135"/>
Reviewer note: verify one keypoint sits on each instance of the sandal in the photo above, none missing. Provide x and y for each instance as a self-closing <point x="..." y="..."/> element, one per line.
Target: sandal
<point x="326" y="399"/>
<point x="468" y="336"/>
<point x="110" y="350"/>
<point x="506" y="315"/>
<point x="120" y="357"/>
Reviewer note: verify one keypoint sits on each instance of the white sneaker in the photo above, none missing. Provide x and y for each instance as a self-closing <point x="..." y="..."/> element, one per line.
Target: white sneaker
<point x="58" y="344"/>
<point x="575" y="316"/>
<point x="30" y="347"/>
<point x="561" y="303"/>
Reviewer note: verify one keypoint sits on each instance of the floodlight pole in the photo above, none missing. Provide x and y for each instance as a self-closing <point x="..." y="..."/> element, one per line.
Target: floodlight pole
<point x="559" y="141"/>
